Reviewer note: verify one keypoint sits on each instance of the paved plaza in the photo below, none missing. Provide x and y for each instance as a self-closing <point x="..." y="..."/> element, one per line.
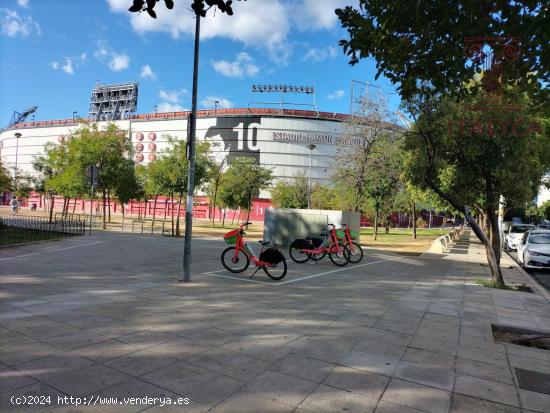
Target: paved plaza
<point x="104" y="317"/>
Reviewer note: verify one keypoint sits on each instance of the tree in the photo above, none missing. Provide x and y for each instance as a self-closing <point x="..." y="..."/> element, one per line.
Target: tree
<point x="422" y="42"/>
<point x="471" y="166"/>
<point x="5" y="179"/>
<point x="245" y="178"/>
<point x="215" y="177"/>
<point x="291" y="194"/>
<point x="545" y="209"/>
<point x="375" y="123"/>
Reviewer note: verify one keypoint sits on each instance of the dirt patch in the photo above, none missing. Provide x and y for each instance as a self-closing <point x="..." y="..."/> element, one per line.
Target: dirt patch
<point x="522" y="337"/>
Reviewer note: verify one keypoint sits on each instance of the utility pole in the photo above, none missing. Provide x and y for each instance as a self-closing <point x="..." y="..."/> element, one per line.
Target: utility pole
<point x="191" y="157"/>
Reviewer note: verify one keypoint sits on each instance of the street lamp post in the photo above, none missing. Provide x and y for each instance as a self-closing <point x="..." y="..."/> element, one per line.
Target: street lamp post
<point x="216" y="106"/>
<point x="191" y="157"/>
<point x="311" y="147"/>
<point x="74" y="115"/>
<point x="17" y="136"/>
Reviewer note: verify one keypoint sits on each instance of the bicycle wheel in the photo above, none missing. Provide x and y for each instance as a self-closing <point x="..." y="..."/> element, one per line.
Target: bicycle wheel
<point x="275" y="271"/>
<point x="232" y="263"/>
<point x="356" y="252"/>
<point x="296" y="255"/>
<point x="341" y="259"/>
<point x="317" y="257"/>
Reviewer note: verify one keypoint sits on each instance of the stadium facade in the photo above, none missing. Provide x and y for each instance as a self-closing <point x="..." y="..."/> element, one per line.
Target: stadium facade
<point x="287" y="141"/>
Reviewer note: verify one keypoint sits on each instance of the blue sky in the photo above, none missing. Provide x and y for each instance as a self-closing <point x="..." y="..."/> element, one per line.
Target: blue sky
<point x="52" y="52"/>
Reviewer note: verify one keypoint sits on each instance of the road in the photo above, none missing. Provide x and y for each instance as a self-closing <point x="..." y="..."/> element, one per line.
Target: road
<point x="542" y="276"/>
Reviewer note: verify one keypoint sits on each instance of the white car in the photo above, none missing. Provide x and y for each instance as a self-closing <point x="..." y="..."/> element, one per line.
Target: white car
<point x="515" y="232"/>
<point x="534" y="249"/>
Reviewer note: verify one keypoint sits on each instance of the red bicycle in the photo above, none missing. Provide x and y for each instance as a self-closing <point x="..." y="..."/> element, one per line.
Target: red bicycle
<point x="237" y="258"/>
<point x="302" y="250"/>
<point x="356" y="252"/>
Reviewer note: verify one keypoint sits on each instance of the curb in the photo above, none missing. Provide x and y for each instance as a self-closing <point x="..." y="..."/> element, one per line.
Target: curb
<point x="531" y="280"/>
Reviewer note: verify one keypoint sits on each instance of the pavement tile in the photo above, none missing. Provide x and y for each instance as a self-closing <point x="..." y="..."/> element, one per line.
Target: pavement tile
<point x="329" y="399"/>
<point x="439" y="346"/>
<point x="87" y="380"/>
<point x="417" y="396"/>
<point x="45" y="368"/>
<point x="537" y="402"/>
<point x="483" y="370"/>
<point x="375" y="346"/>
<point x="238" y="366"/>
<point x="358" y="381"/>
<point x="21" y="353"/>
<point x="144" y="339"/>
<point x="486" y="389"/>
<point x="374" y="363"/>
<point x="486" y="356"/>
<point x="389" y="336"/>
<point x="140" y="362"/>
<point x="11" y="379"/>
<point x="303" y="367"/>
<point x="529" y="363"/>
<point x="387" y="407"/>
<point x="429" y="359"/>
<point x="442" y="379"/>
<point x="243" y="402"/>
<point x="332" y="351"/>
<point x="465" y="404"/>
<point x="105" y="350"/>
<point x="280" y="388"/>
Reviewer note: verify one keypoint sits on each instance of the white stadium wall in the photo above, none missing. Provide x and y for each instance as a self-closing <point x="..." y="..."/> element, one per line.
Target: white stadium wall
<point x="277" y="141"/>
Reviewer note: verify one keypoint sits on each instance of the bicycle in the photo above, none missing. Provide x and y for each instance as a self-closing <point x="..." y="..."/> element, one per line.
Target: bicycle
<point x="236" y="258"/>
<point x="301" y="250"/>
<point x="356" y="251"/>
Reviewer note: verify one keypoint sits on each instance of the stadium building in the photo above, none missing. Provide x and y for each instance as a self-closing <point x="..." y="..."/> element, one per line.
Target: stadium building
<point x="286" y="141"/>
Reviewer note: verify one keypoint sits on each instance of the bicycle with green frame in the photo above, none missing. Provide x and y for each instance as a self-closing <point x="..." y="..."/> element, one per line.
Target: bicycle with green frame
<point x="237" y="258"/>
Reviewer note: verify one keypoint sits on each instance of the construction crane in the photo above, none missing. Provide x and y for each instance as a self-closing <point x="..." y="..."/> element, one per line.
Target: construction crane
<point x="405" y="121"/>
<point x="20" y="117"/>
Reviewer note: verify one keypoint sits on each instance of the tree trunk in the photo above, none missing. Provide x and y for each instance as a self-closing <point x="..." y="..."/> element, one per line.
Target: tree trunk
<point x="233" y="220"/>
<point x="109" y="204"/>
<point x="122" y="209"/>
<point x="52" y="201"/>
<point x="172" y="210"/>
<point x="214" y="204"/>
<point x="491" y="256"/>
<point x="104" y="195"/>
<point x="178" y="233"/>
<point x="155" y="210"/>
<point x="223" y="219"/>
<point x="375" y="224"/>
<point x="248" y="214"/>
<point x="414" y="219"/>
<point x="494" y="233"/>
<point x="74" y="206"/>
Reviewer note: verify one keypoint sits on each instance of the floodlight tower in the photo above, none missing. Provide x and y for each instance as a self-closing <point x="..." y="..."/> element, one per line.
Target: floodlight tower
<point x="284" y="89"/>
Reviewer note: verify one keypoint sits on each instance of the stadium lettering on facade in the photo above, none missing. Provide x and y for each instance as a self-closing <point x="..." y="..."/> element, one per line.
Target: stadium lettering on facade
<point x="318" y="138"/>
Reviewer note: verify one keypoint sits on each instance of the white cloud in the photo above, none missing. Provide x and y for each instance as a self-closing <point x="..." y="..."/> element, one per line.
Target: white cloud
<point x="83" y="56"/>
<point x="23" y="3"/>
<point x="101" y="51"/>
<point x="54" y="65"/>
<point x="173" y="96"/>
<point x="170" y="107"/>
<point x="222" y="103"/>
<point x="337" y="94"/>
<point x="147" y="73"/>
<point x="14" y="25"/>
<point x="68" y="66"/>
<point x="243" y="65"/>
<point x="312" y="15"/>
<point x="320" y="54"/>
<point x="119" y="62"/>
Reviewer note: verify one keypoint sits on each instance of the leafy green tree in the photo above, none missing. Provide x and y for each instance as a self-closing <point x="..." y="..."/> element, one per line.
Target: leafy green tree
<point x="422" y="42"/>
<point x="245" y="178"/>
<point x="293" y="193"/>
<point x="5" y="179"/>
<point x="545" y="209"/>
<point x="471" y="166"/>
<point x="213" y="187"/>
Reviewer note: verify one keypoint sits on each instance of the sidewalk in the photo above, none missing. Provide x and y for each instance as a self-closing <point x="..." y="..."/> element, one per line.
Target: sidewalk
<point x="391" y="335"/>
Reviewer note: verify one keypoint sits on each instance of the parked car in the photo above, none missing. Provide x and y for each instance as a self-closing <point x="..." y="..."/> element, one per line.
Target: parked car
<point x="544" y="226"/>
<point x="534" y="249"/>
<point x="513" y="237"/>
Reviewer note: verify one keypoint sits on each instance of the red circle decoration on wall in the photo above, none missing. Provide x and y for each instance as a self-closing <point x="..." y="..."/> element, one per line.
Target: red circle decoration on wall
<point x="139" y="136"/>
<point x="152" y="136"/>
<point x="139" y="147"/>
<point x="139" y="157"/>
<point x="152" y="156"/>
<point x="152" y="146"/>
<point x="61" y="138"/>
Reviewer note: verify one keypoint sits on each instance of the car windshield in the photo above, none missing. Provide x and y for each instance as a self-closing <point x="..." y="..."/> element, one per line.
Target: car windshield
<point x="520" y="230"/>
<point x="539" y="239"/>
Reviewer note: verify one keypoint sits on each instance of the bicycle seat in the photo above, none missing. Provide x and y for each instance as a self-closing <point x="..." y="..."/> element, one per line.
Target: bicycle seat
<point x="264" y="242"/>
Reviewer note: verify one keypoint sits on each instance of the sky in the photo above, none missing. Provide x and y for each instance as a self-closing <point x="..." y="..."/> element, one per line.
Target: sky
<point x="52" y="53"/>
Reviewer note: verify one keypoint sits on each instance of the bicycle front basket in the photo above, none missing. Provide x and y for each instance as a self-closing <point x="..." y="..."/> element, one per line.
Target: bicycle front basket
<point x="272" y="256"/>
<point x="340" y="234"/>
<point x="354" y="234"/>
<point x="231" y="237"/>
